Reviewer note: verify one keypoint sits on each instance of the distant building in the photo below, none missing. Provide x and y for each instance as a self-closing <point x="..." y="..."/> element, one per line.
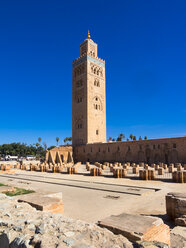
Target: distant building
<point x="30" y="157"/>
<point x="10" y="158"/>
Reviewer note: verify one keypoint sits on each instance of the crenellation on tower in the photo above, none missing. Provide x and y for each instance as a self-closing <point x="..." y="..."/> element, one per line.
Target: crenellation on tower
<point x="88" y="101"/>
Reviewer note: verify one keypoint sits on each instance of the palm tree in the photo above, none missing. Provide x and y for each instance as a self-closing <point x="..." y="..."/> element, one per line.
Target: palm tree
<point x="122" y="136"/>
<point x="65" y="140"/>
<point x="57" y="140"/>
<point x="131" y="136"/>
<point x="37" y="145"/>
<point x="145" y="137"/>
<point x="39" y="140"/>
<point x="134" y="137"/>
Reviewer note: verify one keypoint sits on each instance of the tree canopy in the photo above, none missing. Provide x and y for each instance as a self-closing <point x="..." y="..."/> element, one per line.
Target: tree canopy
<point x="22" y="150"/>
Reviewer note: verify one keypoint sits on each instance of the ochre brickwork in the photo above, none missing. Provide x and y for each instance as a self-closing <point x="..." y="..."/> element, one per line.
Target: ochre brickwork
<point x="169" y="150"/>
<point x="88" y="96"/>
<point x="59" y="155"/>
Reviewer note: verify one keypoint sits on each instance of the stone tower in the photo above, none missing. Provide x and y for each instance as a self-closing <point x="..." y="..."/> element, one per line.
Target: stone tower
<point x="88" y="96"/>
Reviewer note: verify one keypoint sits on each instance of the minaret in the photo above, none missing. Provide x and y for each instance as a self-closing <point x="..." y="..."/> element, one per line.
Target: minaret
<point x="88" y="96"/>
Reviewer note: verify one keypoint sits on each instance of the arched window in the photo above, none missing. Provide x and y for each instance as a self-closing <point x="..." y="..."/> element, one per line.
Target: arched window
<point x="97" y="103"/>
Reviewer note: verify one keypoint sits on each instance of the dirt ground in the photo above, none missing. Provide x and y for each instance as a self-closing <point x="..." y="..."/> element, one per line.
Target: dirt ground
<point x="94" y="198"/>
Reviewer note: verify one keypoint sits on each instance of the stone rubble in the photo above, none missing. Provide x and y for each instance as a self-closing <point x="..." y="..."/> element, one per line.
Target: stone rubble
<point x="27" y="227"/>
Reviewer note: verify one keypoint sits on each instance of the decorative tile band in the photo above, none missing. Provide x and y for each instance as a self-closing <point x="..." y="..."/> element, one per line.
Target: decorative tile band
<point x="87" y="57"/>
<point x="89" y="42"/>
<point x="96" y="61"/>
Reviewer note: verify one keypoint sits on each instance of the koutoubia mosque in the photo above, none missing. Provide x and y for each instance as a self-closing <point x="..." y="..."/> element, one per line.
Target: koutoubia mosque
<point x="89" y="141"/>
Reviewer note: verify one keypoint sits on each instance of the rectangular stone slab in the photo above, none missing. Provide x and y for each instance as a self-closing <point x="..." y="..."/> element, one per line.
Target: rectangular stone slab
<point x="43" y="202"/>
<point x="137" y="227"/>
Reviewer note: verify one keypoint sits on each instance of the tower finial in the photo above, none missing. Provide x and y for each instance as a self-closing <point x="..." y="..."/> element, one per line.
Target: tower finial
<point x="88" y="35"/>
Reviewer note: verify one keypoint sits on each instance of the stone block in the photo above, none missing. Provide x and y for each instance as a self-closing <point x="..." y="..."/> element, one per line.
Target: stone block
<point x="165" y="166"/>
<point x="141" y="164"/>
<point x="119" y="173"/>
<point x="176" y="205"/>
<point x="151" y="244"/>
<point x="153" y="166"/>
<point x="43" y="202"/>
<point x="179" y="167"/>
<point x="147" y="174"/>
<point x="135" y="170"/>
<point x="171" y="169"/>
<point x="137" y="227"/>
<point x="161" y="171"/>
<point x="95" y="172"/>
<point x="181" y="221"/>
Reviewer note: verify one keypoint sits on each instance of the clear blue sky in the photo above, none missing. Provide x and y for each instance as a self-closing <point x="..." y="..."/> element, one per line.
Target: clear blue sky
<point x="143" y="43"/>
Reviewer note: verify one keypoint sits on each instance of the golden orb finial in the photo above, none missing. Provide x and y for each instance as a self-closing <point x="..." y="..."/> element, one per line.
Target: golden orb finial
<point x="88" y="35"/>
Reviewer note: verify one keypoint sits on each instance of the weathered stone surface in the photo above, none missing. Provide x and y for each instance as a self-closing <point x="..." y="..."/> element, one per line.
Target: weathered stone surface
<point x="43" y="203"/>
<point x="4" y="242"/>
<point x="181" y="221"/>
<point x="48" y="230"/>
<point x="178" y="237"/>
<point x="175" y="205"/>
<point x="18" y="243"/>
<point x="151" y="244"/>
<point x="137" y="227"/>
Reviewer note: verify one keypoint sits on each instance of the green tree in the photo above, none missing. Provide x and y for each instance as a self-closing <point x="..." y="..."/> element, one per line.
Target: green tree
<point x="145" y="138"/>
<point x="140" y="138"/>
<point x="67" y="139"/>
<point x="39" y="140"/>
<point x="22" y="150"/>
<point x="57" y="140"/>
<point x="134" y="137"/>
<point x="37" y="145"/>
<point x="131" y="136"/>
<point x="51" y="147"/>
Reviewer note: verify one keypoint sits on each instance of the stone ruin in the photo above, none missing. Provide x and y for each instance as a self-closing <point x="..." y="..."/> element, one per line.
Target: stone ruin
<point x="176" y="207"/>
<point x="175" y="172"/>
